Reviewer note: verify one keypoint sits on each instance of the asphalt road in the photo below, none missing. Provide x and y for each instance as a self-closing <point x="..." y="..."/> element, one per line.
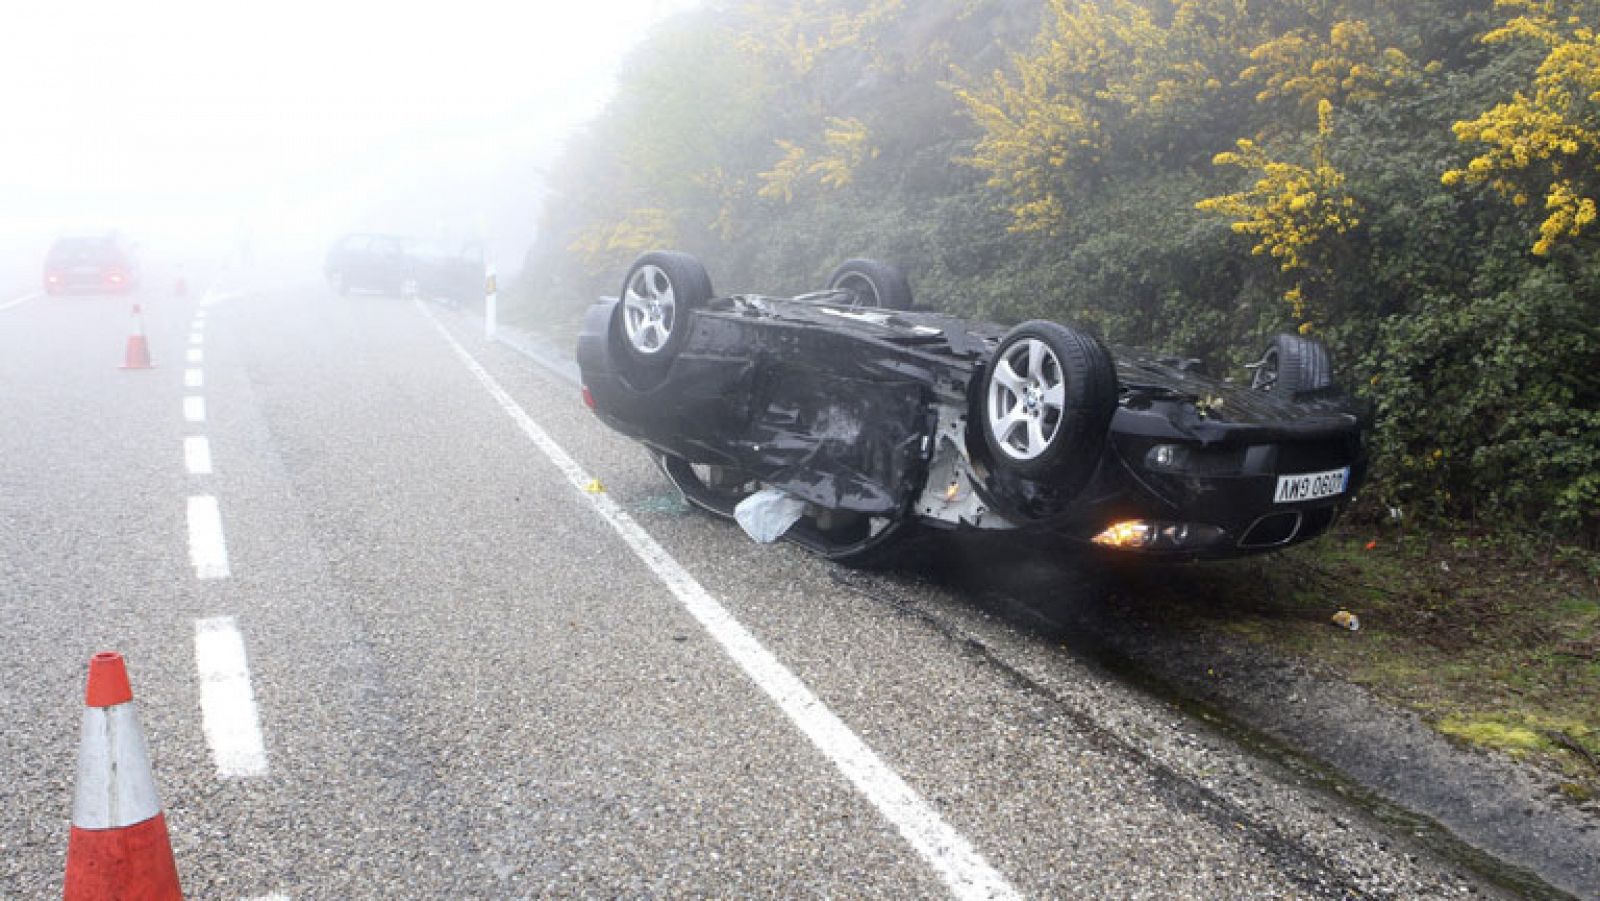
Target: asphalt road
<point x="472" y="677"/>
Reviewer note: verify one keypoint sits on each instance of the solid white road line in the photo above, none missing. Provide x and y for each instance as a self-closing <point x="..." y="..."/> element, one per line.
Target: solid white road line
<point x="227" y="703"/>
<point x="961" y="867"/>
<point x="195" y="355"/>
<point x="19" y="301"/>
<point x="197" y="455"/>
<point x="194" y="408"/>
<point x="208" y="550"/>
<point x="193" y="378"/>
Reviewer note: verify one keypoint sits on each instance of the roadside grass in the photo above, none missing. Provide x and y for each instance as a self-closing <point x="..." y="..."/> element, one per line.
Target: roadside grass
<point x="1495" y="641"/>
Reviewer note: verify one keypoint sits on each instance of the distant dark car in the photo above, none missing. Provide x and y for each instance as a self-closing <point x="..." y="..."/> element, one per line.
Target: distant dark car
<point x="867" y="420"/>
<point x="384" y="264"/>
<point x="454" y="275"/>
<point x="405" y="267"/>
<point x="91" y="263"/>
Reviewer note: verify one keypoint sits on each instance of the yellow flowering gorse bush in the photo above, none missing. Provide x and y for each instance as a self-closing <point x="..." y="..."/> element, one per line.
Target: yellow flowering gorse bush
<point x="798" y="34"/>
<point x="846" y="145"/>
<point x="1553" y="137"/>
<point x="1098" y="69"/>
<point x="1346" y="66"/>
<point x="605" y="247"/>
<point x="1290" y="207"/>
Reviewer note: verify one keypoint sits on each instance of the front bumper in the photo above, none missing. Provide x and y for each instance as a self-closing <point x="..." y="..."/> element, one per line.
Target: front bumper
<point x="1161" y="495"/>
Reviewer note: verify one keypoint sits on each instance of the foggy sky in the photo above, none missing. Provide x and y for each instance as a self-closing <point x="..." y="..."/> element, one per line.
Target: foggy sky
<point x="195" y="121"/>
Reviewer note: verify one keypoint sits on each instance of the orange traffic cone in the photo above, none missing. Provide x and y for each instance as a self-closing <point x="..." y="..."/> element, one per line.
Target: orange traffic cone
<point x="119" y="847"/>
<point x="138" y="356"/>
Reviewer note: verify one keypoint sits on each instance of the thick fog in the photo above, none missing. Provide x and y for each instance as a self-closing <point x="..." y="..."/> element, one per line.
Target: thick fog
<point x="201" y="127"/>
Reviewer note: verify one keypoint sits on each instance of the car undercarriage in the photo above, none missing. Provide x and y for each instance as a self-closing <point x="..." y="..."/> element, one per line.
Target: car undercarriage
<point x="875" y="420"/>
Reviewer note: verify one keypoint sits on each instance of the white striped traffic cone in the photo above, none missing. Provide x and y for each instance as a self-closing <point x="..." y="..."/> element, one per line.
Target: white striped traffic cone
<point x="119" y="847"/>
<point x="138" y="352"/>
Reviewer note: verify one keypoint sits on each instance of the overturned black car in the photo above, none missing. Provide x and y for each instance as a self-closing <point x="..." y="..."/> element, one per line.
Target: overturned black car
<point x="864" y="420"/>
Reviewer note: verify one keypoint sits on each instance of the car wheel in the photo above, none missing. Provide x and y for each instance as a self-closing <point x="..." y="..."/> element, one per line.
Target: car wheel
<point x="337" y="283"/>
<point x="659" y="294"/>
<point x="1293" y="364"/>
<point x="872" y="284"/>
<point x="1048" y="395"/>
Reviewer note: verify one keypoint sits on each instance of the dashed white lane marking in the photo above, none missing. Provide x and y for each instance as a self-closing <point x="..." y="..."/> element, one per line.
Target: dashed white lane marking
<point x="956" y="861"/>
<point x="197" y="455"/>
<point x="19" y="301"/>
<point x="227" y="702"/>
<point x="193" y="378"/>
<point x="208" y="550"/>
<point x="194" y="408"/>
<point x="196" y="338"/>
<point x="195" y="355"/>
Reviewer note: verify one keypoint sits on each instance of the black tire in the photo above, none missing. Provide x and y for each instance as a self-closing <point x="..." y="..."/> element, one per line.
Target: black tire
<point x="1071" y="423"/>
<point x="656" y="304"/>
<point x="873" y="284"/>
<point x="1293" y="365"/>
<point x="337" y="282"/>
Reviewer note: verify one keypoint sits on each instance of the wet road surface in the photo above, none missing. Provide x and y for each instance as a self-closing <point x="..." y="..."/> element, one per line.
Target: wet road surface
<point x="472" y="677"/>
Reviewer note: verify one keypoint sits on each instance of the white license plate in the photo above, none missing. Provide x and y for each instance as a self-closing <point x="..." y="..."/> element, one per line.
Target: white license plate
<point x="1311" y="485"/>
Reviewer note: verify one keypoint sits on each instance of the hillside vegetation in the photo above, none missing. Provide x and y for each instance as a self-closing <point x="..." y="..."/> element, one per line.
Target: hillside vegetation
<point x="1412" y="182"/>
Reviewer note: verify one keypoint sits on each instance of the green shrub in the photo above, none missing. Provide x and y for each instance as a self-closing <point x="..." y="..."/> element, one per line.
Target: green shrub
<point x="1490" y="405"/>
<point x="1482" y="360"/>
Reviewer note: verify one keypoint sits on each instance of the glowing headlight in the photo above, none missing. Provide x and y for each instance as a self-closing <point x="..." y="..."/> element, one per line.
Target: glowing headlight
<point x="1138" y="534"/>
<point x="1131" y="534"/>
